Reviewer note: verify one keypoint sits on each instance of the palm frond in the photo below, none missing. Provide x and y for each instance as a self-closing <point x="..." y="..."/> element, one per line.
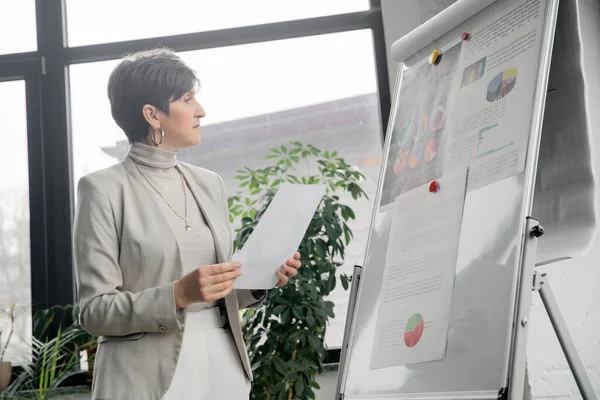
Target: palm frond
<point x="53" y="361"/>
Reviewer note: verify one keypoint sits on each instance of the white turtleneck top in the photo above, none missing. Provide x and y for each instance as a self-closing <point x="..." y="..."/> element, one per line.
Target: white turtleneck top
<point x="197" y="246"/>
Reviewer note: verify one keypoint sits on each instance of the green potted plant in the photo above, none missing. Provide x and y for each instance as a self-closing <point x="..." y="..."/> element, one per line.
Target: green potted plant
<point x="55" y="358"/>
<point x="285" y="336"/>
<point x="85" y="342"/>
<point x="6" y="366"/>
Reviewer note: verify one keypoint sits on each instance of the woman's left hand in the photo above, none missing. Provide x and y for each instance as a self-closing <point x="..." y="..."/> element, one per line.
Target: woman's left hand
<point x="291" y="270"/>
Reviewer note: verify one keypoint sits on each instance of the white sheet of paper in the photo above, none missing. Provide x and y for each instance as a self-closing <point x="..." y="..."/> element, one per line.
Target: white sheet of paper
<point x="418" y="280"/>
<point x="492" y="110"/>
<point x="277" y="235"/>
<point x="434" y="27"/>
<point x="566" y="190"/>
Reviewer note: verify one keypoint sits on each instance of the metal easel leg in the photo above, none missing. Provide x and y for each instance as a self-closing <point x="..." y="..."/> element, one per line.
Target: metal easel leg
<point x="355" y="279"/>
<point x="533" y="230"/>
<point x="564" y="337"/>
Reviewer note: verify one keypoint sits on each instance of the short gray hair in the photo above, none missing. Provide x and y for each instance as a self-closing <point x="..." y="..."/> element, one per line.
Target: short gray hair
<point x="154" y="77"/>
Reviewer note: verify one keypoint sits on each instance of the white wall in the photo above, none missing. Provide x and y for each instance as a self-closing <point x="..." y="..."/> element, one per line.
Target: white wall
<point x="401" y="17"/>
<point x="328" y="382"/>
<point x="576" y="282"/>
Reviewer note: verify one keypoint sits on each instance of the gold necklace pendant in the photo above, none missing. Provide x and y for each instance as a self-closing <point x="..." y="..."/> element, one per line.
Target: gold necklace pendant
<point x="187" y="226"/>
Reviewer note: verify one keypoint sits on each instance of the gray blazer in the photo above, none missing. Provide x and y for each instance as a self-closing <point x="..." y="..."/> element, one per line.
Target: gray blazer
<point x="127" y="260"/>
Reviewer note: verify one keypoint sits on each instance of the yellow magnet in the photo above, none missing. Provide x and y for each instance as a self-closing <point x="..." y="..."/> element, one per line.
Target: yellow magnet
<point x="434" y="57"/>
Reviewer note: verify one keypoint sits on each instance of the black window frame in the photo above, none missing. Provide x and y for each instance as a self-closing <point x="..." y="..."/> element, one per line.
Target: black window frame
<point x="50" y="158"/>
<point x="27" y="70"/>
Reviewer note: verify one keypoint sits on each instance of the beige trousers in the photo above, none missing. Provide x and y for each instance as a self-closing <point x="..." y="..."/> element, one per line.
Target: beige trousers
<point x="209" y="366"/>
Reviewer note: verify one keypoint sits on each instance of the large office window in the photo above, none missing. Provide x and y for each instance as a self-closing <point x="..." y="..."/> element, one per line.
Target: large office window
<point x="15" y="265"/>
<point x="88" y="22"/>
<point x="17" y="26"/>
<point x="271" y="72"/>
<point x="320" y="90"/>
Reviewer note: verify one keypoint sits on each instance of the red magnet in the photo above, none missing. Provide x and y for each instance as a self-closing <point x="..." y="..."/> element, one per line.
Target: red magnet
<point x="464" y="36"/>
<point x="434" y="187"/>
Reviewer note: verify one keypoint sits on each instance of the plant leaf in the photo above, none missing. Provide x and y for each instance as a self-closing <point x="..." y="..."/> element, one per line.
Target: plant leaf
<point x="310" y="319"/>
<point x="286" y="317"/>
<point x="300" y="387"/>
<point x="344" y="280"/>
<point x="279" y="309"/>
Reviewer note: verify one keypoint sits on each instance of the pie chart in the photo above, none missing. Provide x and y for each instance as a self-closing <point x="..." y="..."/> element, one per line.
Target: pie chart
<point x="413" y="330"/>
<point x="431" y="150"/>
<point x="436" y="122"/>
<point x="421" y="127"/>
<point x="502" y="84"/>
<point x="403" y="133"/>
<point x="413" y="162"/>
<point x="400" y="162"/>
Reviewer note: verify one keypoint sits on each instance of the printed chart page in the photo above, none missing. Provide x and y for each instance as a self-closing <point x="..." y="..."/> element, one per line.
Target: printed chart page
<point x="418" y="280"/>
<point x="416" y="155"/>
<point x="493" y="107"/>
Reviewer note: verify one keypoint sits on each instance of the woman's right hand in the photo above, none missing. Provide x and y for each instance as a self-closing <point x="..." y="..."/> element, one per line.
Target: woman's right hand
<point x="206" y="283"/>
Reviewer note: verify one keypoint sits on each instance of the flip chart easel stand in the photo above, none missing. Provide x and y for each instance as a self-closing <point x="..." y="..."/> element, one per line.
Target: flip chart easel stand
<point x="355" y="279"/>
<point x="542" y="286"/>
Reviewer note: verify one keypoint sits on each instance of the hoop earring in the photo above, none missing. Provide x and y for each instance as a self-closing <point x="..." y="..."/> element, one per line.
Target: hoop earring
<point x="162" y="138"/>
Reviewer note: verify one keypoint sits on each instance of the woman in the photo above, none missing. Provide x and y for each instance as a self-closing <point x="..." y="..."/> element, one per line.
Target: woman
<point x="152" y="249"/>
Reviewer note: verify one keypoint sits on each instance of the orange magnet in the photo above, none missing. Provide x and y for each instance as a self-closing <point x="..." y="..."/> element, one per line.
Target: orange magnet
<point x="465" y="36"/>
<point x="434" y="57"/>
<point x="434" y="187"/>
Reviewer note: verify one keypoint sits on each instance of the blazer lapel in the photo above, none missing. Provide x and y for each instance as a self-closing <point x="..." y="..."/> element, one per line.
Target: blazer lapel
<point x="164" y="227"/>
<point x="208" y="206"/>
<point x="221" y="233"/>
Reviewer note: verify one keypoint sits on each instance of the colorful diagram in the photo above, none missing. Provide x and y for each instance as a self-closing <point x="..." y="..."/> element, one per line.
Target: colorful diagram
<point x="502" y="84"/>
<point x="413" y="161"/>
<point x="400" y="163"/>
<point x="436" y="121"/>
<point x="403" y="134"/>
<point x="431" y="150"/>
<point x="421" y="127"/>
<point x="421" y="114"/>
<point x="473" y="72"/>
<point x="413" y="330"/>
